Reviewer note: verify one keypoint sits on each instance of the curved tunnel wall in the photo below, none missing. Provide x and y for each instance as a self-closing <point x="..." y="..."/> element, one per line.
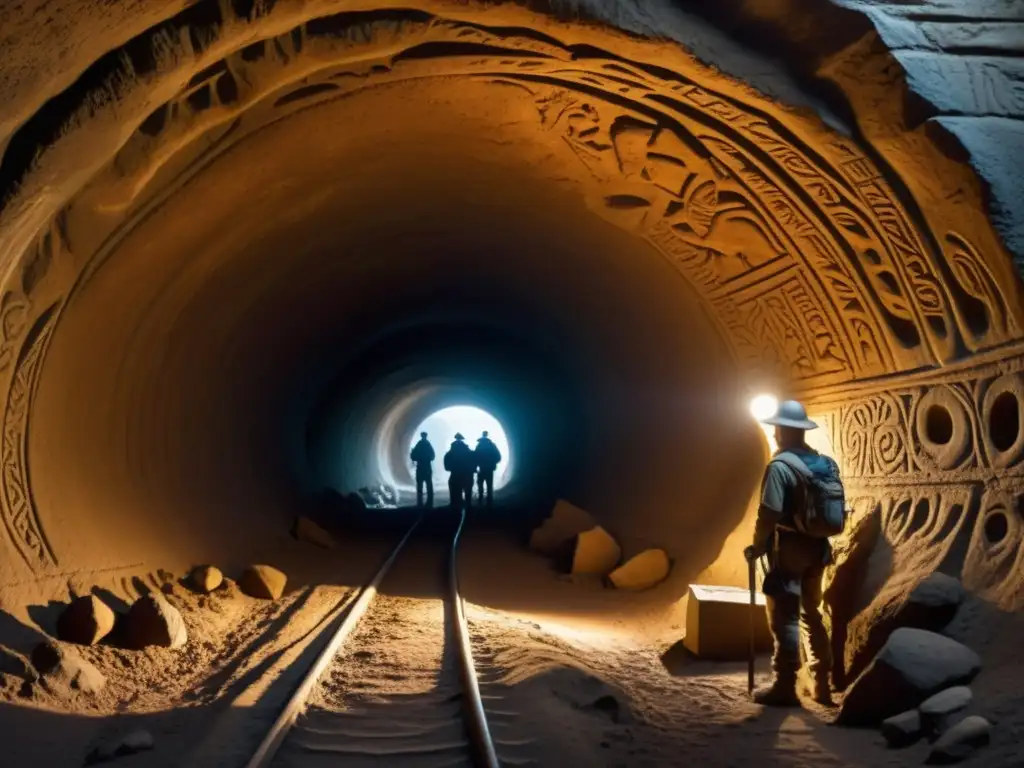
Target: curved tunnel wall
<point x="282" y="187"/>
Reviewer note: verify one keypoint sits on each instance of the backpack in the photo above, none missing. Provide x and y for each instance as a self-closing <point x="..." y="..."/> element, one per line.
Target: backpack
<point x="820" y="509"/>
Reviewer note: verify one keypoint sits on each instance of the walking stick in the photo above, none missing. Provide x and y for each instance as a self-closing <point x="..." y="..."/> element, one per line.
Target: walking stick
<point x="750" y="648"/>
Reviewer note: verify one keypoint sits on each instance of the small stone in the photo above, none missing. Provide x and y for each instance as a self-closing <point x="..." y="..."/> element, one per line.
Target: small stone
<point x="937" y="711"/>
<point x="262" y="581"/>
<point x="565" y="523"/>
<point x="63" y="664"/>
<point x="130" y="744"/>
<point x="308" y="531"/>
<point x="13" y="663"/>
<point x="902" y="730"/>
<point x="960" y="741"/>
<point x="913" y="665"/>
<point x="154" y="621"/>
<point x="86" y="621"/>
<point x="643" y="571"/>
<point x="596" y="552"/>
<point x="205" y="578"/>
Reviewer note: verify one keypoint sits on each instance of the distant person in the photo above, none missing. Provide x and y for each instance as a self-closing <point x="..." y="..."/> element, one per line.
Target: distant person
<point x="487" y="459"/>
<point x="802" y="504"/>
<point x="460" y="463"/>
<point x="423" y="455"/>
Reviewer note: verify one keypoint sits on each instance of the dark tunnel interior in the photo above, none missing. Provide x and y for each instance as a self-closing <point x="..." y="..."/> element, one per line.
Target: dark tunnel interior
<point x="223" y="373"/>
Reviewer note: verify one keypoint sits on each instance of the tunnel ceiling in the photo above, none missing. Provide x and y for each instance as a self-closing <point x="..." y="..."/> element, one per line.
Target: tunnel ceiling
<point x="820" y="259"/>
<point x="808" y="249"/>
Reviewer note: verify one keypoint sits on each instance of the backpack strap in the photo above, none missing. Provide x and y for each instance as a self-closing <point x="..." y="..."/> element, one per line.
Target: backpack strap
<point x="795" y="463"/>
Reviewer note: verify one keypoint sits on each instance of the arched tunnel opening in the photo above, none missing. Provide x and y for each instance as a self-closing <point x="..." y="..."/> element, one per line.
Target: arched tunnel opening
<point x="252" y="250"/>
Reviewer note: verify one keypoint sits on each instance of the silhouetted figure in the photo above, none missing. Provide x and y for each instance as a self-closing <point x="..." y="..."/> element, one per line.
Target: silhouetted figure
<point x="487" y="458"/>
<point x="423" y="455"/>
<point x="460" y="463"/>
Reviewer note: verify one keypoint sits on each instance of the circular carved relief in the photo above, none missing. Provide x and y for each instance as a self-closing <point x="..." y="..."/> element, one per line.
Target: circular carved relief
<point x="997" y="526"/>
<point x="943" y="428"/>
<point x="1001" y="411"/>
<point x="1001" y="526"/>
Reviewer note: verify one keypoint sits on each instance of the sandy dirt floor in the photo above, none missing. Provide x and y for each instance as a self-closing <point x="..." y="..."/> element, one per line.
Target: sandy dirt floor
<point x="394" y="696"/>
<point x="572" y="674"/>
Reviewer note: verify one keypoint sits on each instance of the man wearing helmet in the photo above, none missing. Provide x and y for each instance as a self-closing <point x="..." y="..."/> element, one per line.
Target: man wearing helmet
<point x="797" y="560"/>
<point x="461" y="464"/>
<point x="423" y="456"/>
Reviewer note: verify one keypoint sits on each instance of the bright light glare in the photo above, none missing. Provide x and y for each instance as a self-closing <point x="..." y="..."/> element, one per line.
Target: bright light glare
<point x="441" y="427"/>
<point x="763" y="406"/>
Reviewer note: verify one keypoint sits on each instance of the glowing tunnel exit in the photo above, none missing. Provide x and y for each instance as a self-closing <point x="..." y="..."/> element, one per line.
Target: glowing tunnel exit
<point x="471" y="422"/>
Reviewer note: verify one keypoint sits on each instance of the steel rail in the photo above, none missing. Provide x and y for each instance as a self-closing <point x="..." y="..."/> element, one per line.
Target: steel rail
<point x="484" y="755"/>
<point x="481" y="744"/>
<point x="279" y="730"/>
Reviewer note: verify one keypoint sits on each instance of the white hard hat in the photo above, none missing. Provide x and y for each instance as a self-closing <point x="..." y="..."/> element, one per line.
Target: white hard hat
<point x="790" y="413"/>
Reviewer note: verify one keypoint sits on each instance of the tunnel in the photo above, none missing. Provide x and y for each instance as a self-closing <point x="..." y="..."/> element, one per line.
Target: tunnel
<point x="250" y="247"/>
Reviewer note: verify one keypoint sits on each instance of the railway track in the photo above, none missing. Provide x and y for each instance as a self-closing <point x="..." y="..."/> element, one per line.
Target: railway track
<point x="396" y="683"/>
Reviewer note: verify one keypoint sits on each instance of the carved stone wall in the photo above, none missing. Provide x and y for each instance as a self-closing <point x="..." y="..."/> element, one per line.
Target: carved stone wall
<point x="805" y="247"/>
<point x="938" y="458"/>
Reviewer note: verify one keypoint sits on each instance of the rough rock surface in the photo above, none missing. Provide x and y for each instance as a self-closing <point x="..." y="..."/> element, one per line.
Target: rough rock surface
<point x="843" y="585"/>
<point x="931" y="605"/>
<point x="306" y="530"/>
<point x="154" y="621"/>
<point x="913" y="665"/>
<point x="595" y="552"/>
<point x="86" y="621"/>
<point x="642" y="571"/>
<point x="262" y="581"/>
<point x="13" y="663"/>
<point x="566" y="522"/>
<point x="937" y="711"/>
<point x="121" y="746"/>
<point x="960" y="741"/>
<point x="206" y="578"/>
<point x="56" y="662"/>
<point x="903" y="729"/>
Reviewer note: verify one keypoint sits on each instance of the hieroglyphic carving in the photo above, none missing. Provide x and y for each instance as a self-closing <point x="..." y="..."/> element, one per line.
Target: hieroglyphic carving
<point x="14" y="313"/>
<point x="18" y="509"/>
<point x="727" y="189"/>
<point x="703" y="217"/>
<point x="871" y="438"/>
<point x="782" y="328"/>
<point x="956" y="430"/>
<point x="975" y="278"/>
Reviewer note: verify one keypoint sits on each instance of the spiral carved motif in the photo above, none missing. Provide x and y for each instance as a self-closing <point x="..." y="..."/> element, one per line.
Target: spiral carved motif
<point x="873" y="438"/>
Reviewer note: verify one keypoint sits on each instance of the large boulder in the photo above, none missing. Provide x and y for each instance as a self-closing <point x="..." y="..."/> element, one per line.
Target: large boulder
<point x="960" y="741"/>
<point x="913" y="665"/>
<point x="642" y="571"/>
<point x="262" y="581"/>
<point x="154" y="621"/>
<point x="566" y="522"/>
<point x="58" y="663"/>
<point x="86" y="621"/>
<point x="931" y="605"/>
<point x="205" y="578"/>
<point x="308" y="531"/>
<point x="592" y="552"/>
